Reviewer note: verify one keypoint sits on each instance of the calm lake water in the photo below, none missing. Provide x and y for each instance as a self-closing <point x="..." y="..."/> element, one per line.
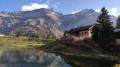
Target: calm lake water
<point x="30" y="58"/>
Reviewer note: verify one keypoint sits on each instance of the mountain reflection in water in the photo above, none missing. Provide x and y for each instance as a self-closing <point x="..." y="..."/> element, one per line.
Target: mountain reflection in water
<point x="30" y="58"/>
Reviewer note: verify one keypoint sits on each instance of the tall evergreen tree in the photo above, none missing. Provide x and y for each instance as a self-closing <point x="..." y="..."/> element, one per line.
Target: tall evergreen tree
<point x="118" y="22"/>
<point x="95" y="33"/>
<point x="106" y="30"/>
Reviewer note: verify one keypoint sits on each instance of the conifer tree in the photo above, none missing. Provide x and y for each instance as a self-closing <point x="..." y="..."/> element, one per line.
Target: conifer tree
<point x="106" y="31"/>
<point x="95" y="32"/>
<point x="118" y="22"/>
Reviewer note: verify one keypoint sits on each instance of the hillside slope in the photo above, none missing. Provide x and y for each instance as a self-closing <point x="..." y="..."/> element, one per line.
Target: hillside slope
<point x="81" y="18"/>
<point x="45" y="21"/>
<point x="40" y="21"/>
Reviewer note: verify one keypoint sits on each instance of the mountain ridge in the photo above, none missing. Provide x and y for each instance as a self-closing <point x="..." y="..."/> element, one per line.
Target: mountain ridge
<point x="45" y="21"/>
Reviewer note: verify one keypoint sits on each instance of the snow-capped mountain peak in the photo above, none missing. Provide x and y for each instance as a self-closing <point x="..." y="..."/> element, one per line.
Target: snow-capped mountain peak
<point x="45" y="21"/>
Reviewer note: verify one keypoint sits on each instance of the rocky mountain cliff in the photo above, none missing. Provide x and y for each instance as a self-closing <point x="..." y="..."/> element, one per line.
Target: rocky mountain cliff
<point x="40" y="21"/>
<point x="45" y="21"/>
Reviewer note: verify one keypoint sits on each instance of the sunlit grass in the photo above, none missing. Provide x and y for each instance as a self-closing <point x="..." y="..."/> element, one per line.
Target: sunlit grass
<point x="74" y="56"/>
<point x="11" y="42"/>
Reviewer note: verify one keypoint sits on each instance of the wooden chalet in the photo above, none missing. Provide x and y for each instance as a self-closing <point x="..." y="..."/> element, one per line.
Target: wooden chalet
<point x="86" y="31"/>
<point x="83" y="31"/>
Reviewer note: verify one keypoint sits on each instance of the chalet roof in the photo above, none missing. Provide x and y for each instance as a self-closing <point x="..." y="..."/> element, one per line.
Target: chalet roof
<point x="84" y="27"/>
<point x="116" y="30"/>
<point x="76" y="30"/>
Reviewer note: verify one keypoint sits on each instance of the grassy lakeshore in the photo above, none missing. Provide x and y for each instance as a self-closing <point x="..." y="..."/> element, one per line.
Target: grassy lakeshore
<point x="10" y="42"/>
<point x="73" y="56"/>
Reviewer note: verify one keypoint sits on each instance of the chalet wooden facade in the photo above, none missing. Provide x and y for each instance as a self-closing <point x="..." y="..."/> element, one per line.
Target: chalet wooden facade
<point x="86" y="31"/>
<point x="83" y="31"/>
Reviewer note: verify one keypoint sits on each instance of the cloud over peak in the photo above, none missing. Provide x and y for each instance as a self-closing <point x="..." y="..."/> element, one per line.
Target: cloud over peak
<point x="97" y="10"/>
<point x="114" y="11"/>
<point x="33" y="6"/>
<point x="76" y="11"/>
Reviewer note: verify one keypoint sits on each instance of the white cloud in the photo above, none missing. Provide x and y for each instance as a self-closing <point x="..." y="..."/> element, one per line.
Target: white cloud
<point x="97" y="10"/>
<point x="33" y="6"/>
<point x="72" y="12"/>
<point x="114" y="11"/>
<point x="76" y="11"/>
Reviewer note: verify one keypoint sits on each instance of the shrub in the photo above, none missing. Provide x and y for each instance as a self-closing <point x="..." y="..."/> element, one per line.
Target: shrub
<point x="18" y="34"/>
<point x="34" y="36"/>
<point x="53" y="37"/>
<point x="116" y="50"/>
<point x="49" y="37"/>
<point x="86" y="44"/>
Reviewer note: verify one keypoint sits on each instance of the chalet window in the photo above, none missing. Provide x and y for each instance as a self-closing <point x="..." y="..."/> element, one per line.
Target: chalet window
<point x="85" y="32"/>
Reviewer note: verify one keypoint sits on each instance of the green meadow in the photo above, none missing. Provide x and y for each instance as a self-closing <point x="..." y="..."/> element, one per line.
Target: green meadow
<point x="73" y="56"/>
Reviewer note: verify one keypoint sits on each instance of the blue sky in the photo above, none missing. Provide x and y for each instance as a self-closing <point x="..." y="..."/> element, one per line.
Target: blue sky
<point x="63" y="6"/>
